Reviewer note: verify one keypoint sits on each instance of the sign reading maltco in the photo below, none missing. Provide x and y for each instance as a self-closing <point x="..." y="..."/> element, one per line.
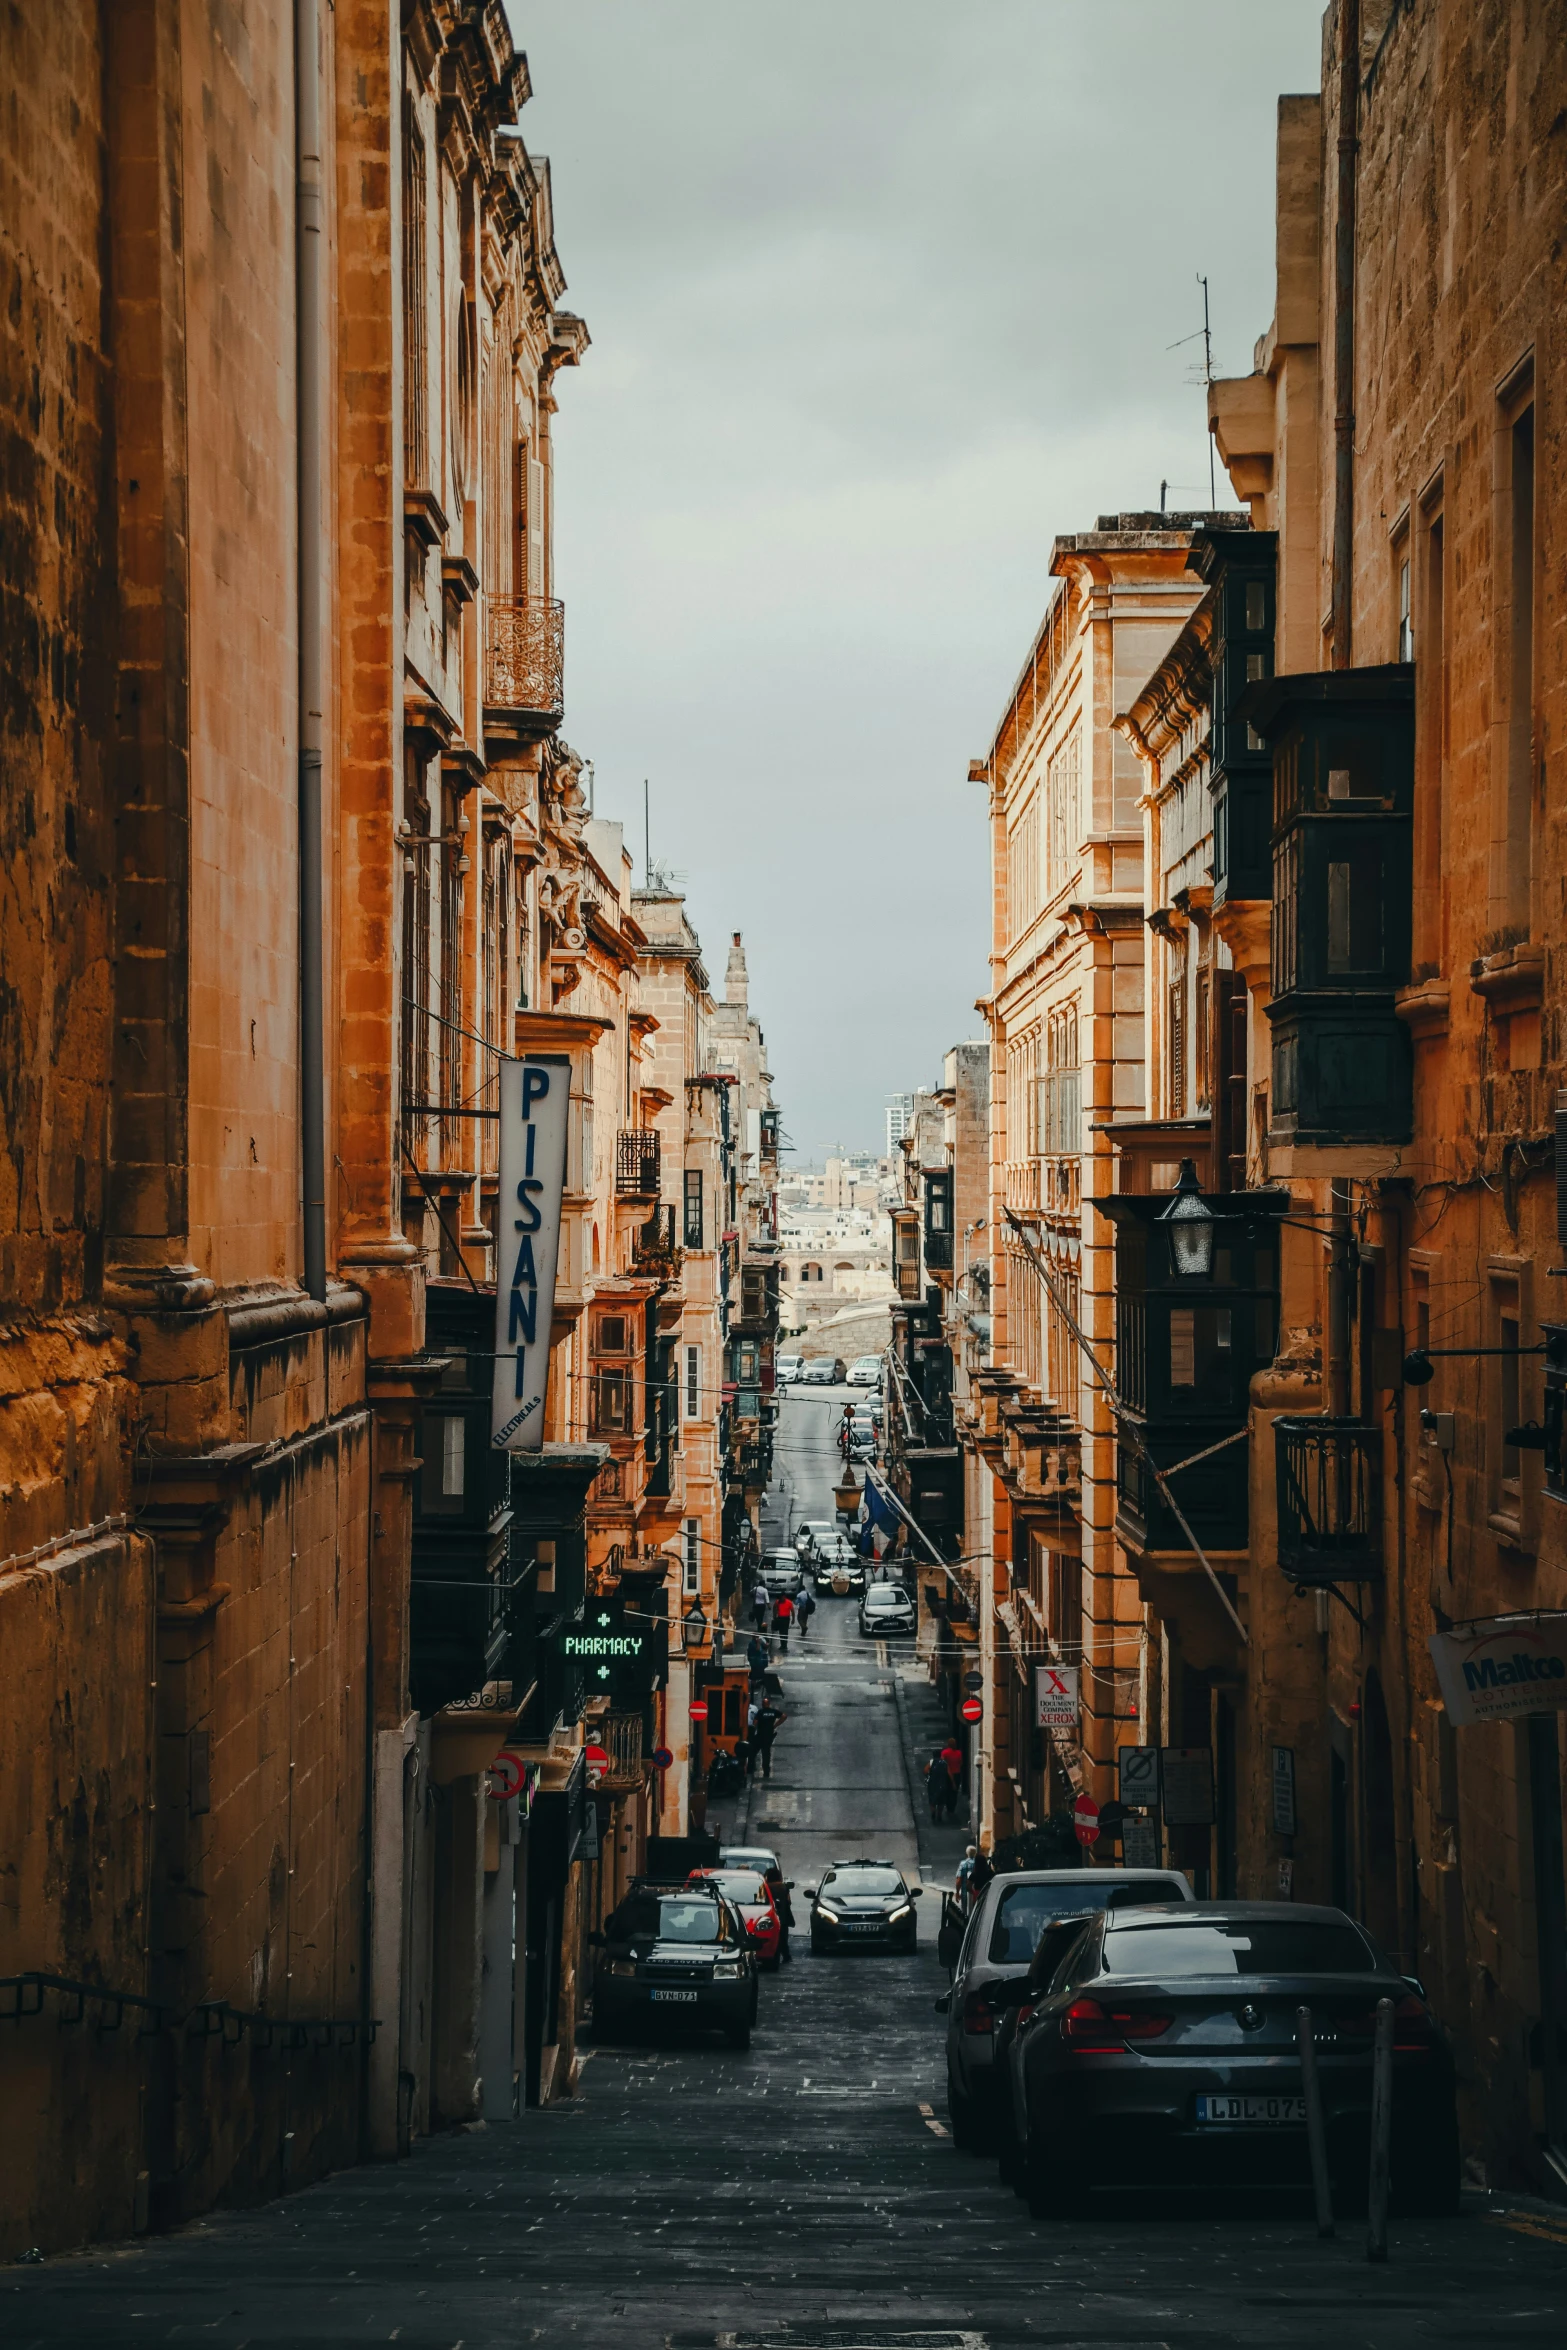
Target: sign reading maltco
<point x="1502" y="1666"/>
<point x="535" y="1099"/>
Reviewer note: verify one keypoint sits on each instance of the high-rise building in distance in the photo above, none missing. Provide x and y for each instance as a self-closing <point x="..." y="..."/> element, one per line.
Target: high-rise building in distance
<point x="900" y="1109"/>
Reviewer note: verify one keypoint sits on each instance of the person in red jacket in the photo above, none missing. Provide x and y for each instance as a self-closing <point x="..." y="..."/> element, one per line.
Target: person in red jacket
<point x="783" y="1617"/>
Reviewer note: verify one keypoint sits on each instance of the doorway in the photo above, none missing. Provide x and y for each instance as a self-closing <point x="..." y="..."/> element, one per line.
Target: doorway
<point x="1550" y="1913"/>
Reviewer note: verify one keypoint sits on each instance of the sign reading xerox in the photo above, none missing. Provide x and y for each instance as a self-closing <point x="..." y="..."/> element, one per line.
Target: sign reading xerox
<point x="1502" y="1666"/>
<point x="535" y="1101"/>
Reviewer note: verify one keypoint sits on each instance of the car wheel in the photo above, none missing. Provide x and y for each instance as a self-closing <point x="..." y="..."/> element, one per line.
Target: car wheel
<point x="738" y="2035"/>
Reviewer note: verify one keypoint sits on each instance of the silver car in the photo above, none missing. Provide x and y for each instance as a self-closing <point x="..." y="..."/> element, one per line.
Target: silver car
<point x="1003" y="1932"/>
<point x="886" y="1607"/>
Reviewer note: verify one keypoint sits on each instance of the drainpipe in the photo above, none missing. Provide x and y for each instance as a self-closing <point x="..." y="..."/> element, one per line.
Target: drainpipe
<point x="307" y="297"/>
<point x="1344" y="333"/>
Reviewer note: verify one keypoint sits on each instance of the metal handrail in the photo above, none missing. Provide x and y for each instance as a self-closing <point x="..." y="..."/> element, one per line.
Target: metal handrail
<point x="208" y="2019"/>
<point x="524" y="654"/>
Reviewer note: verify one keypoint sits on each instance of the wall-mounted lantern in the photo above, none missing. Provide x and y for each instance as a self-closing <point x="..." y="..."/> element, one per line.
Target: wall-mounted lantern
<point x="1188" y="1224"/>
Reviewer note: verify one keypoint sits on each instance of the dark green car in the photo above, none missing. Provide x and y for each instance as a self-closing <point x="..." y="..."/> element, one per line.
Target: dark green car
<point x="676" y="1956"/>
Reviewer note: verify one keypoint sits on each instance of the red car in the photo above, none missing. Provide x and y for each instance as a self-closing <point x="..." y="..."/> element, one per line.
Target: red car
<point x="748" y="1891"/>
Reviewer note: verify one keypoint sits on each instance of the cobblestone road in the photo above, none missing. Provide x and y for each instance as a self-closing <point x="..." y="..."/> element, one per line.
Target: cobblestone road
<point x="804" y="2194"/>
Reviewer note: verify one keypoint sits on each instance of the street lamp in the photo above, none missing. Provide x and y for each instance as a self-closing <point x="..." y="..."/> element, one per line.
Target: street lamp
<point x="847" y="1495"/>
<point x="693" y="1628"/>
<point x="1189" y="1222"/>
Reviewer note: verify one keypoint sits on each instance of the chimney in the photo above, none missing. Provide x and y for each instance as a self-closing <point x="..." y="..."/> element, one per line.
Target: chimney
<point x="736" y="989"/>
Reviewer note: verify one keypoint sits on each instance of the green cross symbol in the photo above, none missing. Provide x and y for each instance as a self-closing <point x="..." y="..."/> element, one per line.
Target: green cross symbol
<point x="604" y="1619"/>
<point x="603" y="1672"/>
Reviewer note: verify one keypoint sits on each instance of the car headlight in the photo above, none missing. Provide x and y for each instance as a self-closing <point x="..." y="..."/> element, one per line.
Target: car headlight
<point x="622" y="1966"/>
<point x="726" y="1969"/>
<point x="831" y="1915"/>
<point x="905" y="1909"/>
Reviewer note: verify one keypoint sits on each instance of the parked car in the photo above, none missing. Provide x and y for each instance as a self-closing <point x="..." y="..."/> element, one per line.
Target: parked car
<point x="884" y="1608"/>
<point x="781" y="1571"/>
<point x="817" y="1531"/>
<point x="674" y="1954"/>
<point x="862" y="1442"/>
<point x="1163" y="2048"/>
<point x="747" y="1891"/>
<point x="823" y="1371"/>
<point x="1003" y="1933"/>
<point x="865" y="1371"/>
<point x="863" y="1902"/>
<point x="787" y="1369"/>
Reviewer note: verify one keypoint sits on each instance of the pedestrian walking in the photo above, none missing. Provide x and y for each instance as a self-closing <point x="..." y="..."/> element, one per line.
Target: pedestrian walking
<point x="938" y="1786"/>
<point x="979" y="1875"/>
<point x="804" y="1609"/>
<point x="769" y="1719"/>
<point x="761" y="1605"/>
<point x="962" y="1877"/>
<point x="758" y="1657"/>
<point x="780" y="1892"/>
<point x="783" y="1617"/>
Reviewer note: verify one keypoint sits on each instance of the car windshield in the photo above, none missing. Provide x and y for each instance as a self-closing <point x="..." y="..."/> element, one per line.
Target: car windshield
<point x="1026" y="1910"/>
<point x="886" y="1595"/>
<point x="740" y="1885"/>
<point x="690" y="1918"/>
<point x="856" y="1881"/>
<point x="1244" y="1946"/>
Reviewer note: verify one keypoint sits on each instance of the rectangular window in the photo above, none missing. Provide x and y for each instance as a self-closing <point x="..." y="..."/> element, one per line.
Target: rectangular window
<point x="693" y="1207"/>
<point x="416" y="448"/>
<point x="609" y="1335"/>
<point x="693" y="1382"/>
<point x="1177" y="1071"/>
<point x="1183" y="1346"/>
<point x="691" y="1577"/>
<point x="453" y="1455"/>
<point x="1520" y="683"/>
<point x="1406" y="618"/>
<point x="611" y="1399"/>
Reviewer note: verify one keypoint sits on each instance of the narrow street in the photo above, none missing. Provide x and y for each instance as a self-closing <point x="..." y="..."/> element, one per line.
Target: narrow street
<point x="804" y="2193"/>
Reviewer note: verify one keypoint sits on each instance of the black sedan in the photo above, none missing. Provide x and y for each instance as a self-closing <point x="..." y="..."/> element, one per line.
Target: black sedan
<point x="1163" y="2050"/>
<point x="677" y="1957"/>
<point x="863" y="1904"/>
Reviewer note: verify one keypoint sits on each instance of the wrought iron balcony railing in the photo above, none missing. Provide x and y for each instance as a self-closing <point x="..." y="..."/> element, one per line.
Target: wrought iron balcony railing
<point x="1330" y="1499"/>
<point x="621" y="1738"/>
<point x="524" y="657"/>
<point x="637" y="1163"/>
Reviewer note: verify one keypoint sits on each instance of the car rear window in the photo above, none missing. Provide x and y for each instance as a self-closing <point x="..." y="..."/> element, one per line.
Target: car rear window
<point x="739" y="1885"/>
<point x="1026" y="1910"/>
<point x="1249" y="1946"/>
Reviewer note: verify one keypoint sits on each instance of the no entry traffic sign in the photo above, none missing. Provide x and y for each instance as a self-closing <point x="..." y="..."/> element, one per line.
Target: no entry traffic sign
<point x="597" y="1761"/>
<point x="1085" y="1819"/>
<point x="973" y="1709"/>
<point x="698" y="1709"/>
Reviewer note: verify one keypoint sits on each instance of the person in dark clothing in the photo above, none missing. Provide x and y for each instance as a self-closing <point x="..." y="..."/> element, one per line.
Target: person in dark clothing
<point x="764" y="1729"/>
<point x="938" y="1786"/>
<point x="758" y="1656"/>
<point x="804" y="1609"/>
<point x="979" y="1875"/>
<point x="780" y="1892"/>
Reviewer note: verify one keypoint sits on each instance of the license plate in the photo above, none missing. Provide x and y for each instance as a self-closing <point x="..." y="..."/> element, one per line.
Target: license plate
<point x="689" y="1995"/>
<point x="1251" y="2109"/>
<point x="873" y="1928"/>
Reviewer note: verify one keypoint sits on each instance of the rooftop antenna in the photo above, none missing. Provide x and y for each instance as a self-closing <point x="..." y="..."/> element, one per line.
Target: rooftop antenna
<point x="1203" y="335"/>
<point x="1163" y="488"/>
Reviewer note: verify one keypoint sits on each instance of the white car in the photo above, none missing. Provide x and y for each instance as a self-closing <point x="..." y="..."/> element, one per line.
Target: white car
<point x="886" y="1607"/>
<point x="787" y="1369"/>
<point x="865" y="1371"/>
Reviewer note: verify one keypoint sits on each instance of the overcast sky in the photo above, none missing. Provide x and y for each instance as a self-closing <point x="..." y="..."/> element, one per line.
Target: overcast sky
<point x="880" y="294"/>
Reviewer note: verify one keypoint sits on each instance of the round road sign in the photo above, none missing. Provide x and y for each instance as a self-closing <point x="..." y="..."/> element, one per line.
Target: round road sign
<point x="597" y="1762"/>
<point x="662" y="1758"/>
<point x="505" y="1777"/>
<point x="698" y="1709"/>
<point x="973" y="1709"/>
<point x="973" y="1680"/>
<point x="1085" y="1819"/>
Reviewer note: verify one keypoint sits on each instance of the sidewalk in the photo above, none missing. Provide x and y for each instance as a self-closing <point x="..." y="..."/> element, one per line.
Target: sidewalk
<point x="923" y="1728"/>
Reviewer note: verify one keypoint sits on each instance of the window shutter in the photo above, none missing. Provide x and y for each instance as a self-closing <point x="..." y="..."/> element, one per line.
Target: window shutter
<point x="535" y="527"/>
<point x="693" y="1382"/>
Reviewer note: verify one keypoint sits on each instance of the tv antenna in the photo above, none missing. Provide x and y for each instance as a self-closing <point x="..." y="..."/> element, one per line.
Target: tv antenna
<point x="1203" y="335"/>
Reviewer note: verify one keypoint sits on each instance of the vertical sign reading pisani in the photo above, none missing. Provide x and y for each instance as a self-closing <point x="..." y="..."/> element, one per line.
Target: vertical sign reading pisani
<point x="535" y="1100"/>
